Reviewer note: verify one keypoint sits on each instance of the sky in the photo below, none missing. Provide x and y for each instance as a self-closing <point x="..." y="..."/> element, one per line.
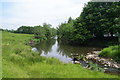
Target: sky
<point x="16" y="13"/>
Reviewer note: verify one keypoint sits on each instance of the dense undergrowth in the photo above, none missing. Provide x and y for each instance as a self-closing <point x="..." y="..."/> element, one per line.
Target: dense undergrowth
<point x="20" y="62"/>
<point x="111" y="52"/>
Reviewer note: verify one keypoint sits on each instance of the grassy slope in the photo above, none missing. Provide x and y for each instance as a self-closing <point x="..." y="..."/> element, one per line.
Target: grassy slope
<point x="20" y="62"/>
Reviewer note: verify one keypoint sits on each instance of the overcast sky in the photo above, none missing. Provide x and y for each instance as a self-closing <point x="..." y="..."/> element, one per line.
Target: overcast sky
<point x="16" y="13"/>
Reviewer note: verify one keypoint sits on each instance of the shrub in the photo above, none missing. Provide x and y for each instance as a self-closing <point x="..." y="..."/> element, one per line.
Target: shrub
<point x="111" y="52"/>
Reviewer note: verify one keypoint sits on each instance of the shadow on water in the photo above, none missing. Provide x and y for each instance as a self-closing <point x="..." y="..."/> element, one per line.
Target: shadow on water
<point x="66" y="49"/>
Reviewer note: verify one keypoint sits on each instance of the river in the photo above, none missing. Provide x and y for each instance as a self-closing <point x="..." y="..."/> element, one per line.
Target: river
<point x="56" y="48"/>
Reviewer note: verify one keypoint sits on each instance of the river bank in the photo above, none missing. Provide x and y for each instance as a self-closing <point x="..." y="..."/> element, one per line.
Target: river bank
<point x="94" y="61"/>
<point x="19" y="61"/>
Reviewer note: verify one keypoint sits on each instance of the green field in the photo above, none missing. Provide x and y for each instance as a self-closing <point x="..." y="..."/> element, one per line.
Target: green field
<point x="20" y="62"/>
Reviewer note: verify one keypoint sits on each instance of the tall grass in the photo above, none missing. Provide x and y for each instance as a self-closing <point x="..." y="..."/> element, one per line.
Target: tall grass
<point x="20" y="62"/>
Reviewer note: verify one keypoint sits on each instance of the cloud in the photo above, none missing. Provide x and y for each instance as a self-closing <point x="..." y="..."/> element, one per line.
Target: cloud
<point x="36" y="12"/>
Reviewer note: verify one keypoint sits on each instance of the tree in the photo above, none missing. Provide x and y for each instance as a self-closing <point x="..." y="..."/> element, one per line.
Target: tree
<point x="39" y="32"/>
<point x="81" y="34"/>
<point x="25" y="29"/>
<point x="99" y="17"/>
<point x="96" y="20"/>
<point x="65" y="30"/>
<point x="44" y="32"/>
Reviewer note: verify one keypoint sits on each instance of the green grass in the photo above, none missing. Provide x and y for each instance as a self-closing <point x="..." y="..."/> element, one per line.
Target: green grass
<point x="0" y="55"/>
<point x="20" y="62"/>
<point x="111" y="52"/>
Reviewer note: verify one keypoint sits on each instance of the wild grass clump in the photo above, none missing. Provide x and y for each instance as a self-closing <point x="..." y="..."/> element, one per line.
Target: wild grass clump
<point x="111" y="52"/>
<point x="95" y="67"/>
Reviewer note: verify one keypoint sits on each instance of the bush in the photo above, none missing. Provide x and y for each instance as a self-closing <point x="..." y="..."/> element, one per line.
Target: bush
<point x="111" y="52"/>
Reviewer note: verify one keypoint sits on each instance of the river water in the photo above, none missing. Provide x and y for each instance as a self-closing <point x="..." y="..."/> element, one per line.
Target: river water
<point x="56" y="48"/>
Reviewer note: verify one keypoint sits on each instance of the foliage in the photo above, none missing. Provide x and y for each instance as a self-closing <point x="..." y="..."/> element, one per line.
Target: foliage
<point x="69" y="33"/>
<point x="95" y="67"/>
<point x="101" y="18"/>
<point x="98" y="19"/>
<point x="44" y="32"/>
<point x="25" y="29"/>
<point x="28" y="64"/>
<point x="65" y="31"/>
<point x="111" y="52"/>
<point x="81" y="33"/>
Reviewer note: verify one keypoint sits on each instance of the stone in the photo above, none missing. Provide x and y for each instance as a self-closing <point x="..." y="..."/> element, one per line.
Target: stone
<point x="76" y="62"/>
<point x="106" y="62"/>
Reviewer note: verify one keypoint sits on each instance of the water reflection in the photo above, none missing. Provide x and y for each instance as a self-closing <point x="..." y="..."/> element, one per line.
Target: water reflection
<point x="66" y="49"/>
<point x="45" y="46"/>
<point x="49" y="48"/>
<point x="55" y="48"/>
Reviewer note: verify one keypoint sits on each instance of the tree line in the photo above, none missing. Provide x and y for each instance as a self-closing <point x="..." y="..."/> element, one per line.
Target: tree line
<point x="40" y="32"/>
<point x="97" y="20"/>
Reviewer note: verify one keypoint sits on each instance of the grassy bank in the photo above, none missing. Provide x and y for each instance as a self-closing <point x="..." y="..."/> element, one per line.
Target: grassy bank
<point x="20" y="62"/>
<point x="111" y="52"/>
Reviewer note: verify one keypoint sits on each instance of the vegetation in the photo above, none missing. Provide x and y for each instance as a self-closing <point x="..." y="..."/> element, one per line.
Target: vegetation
<point x="20" y="62"/>
<point x="65" y="30"/>
<point x="111" y="52"/>
<point x="96" y="67"/>
<point x="40" y="32"/>
<point x="44" y="32"/>
<point x="100" y="19"/>
<point x="0" y="55"/>
<point x="25" y="30"/>
<point x="97" y="20"/>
